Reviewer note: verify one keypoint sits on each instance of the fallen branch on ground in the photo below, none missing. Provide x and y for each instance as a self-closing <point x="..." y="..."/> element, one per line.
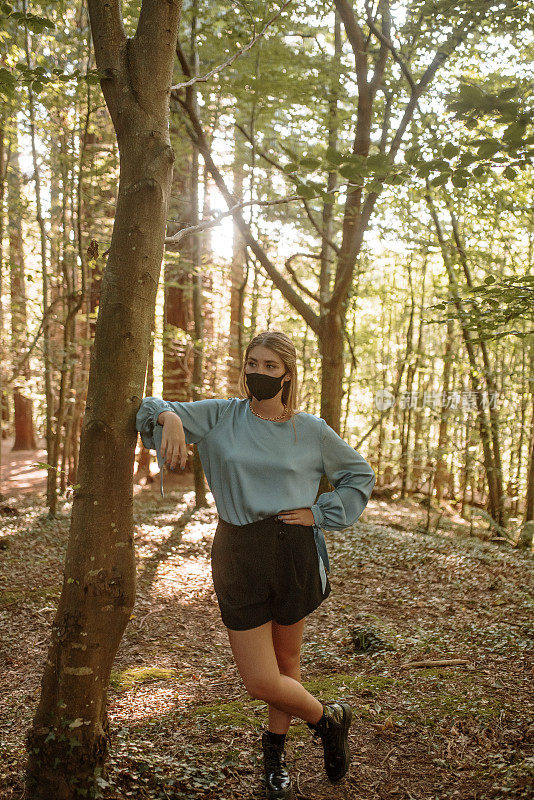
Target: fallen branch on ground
<point x="440" y="662"/>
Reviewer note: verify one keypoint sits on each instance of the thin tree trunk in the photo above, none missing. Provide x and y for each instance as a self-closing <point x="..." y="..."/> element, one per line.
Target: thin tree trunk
<point x="489" y="378"/>
<point x="237" y="276"/>
<point x="439" y="481"/>
<point x="51" y="495"/>
<point x="196" y="268"/>
<point x="3" y="359"/>
<point x="484" y="426"/>
<point x="23" y="404"/>
<point x="529" y="505"/>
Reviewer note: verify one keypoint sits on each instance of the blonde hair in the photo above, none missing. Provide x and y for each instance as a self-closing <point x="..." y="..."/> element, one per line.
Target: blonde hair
<point x="279" y="343"/>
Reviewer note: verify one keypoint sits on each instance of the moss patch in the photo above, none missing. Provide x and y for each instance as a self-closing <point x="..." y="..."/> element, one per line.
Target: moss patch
<point x="137" y="675"/>
<point x="236" y="714"/>
<point x="329" y="687"/>
<point x="240" y="714"/>
<point x="434" y="708"/>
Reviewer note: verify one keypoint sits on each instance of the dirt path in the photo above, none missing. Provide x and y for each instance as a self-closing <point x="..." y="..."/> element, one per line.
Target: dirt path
<point x="19" y="472"/>
<point x="184" y="728"/>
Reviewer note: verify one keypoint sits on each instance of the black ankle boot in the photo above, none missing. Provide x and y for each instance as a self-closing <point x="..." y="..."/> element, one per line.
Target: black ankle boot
<point x="277" y="780"/>
<point x="333" y="730"/>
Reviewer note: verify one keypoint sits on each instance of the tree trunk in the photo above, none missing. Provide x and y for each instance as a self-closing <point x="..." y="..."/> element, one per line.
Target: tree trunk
<point x="439" y="481"/>
<point x="529" y="505"/>
<point x="474" y="370"/>
<point x="2" y="354"/>
<point x="23" y="404"/>
<point x="196" y="269"/>
<point x="67" y="744"/>
<point x="51" y="496"/>
<point x="500" y="512"/>
<point x="237" y="276"/>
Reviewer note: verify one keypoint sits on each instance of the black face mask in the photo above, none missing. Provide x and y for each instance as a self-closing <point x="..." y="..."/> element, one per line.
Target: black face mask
<point x="263" y="387"/>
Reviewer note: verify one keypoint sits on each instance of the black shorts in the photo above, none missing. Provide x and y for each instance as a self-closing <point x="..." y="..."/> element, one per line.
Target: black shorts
<point x="265" y="570"/>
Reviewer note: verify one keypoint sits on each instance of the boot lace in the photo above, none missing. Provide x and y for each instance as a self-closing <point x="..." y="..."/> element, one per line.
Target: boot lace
<point x="273" y="758"/>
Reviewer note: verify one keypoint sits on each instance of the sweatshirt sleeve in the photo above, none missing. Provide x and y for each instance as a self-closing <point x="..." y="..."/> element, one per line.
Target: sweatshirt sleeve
<point x="352" y="477"/>
<point x="198" y="417"/>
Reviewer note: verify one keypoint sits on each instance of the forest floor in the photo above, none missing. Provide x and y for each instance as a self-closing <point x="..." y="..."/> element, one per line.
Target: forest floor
<point x="184" y="728"/>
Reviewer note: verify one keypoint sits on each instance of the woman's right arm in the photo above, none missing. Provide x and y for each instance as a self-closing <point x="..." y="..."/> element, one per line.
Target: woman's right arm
<point x="173" y="444"/>
<point x="191" y="420"/>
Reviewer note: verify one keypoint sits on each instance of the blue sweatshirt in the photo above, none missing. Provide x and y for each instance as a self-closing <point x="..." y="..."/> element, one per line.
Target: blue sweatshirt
<point x="256" y="468"/>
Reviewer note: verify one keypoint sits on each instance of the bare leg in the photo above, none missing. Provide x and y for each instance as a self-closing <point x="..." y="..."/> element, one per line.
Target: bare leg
<point x="287" y="641"/>
<point x="256" y="661"/>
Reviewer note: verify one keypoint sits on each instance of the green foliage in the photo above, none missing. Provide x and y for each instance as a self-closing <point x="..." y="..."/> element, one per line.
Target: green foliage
<point x="494" y="304"/>
<point x="15" y="72"/>
<point x="509" y="112"/>
<point x="34" y="22"/>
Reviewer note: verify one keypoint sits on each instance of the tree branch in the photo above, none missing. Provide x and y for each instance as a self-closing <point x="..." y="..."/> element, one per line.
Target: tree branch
<point x="279" y="281"/>
<point x="386" y="41"/>
<point x="354" y="230"/>
<point x="153" y="43"/>
<point x="107" y="31"/>
<point x="231" y="59"/>
<point x="279" y="167"/>
<point x="353" y="30"/>
<point x="210" y="223"/>
<point x="440" y="56"/>
<point x="380" y="67"/>
<point x="294" y="276"/>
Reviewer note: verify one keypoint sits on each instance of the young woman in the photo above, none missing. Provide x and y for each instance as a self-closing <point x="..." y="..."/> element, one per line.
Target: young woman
<point x="263" y="460"/>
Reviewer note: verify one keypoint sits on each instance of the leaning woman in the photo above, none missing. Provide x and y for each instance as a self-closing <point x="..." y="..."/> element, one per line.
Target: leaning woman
<point x="263" y="459"/>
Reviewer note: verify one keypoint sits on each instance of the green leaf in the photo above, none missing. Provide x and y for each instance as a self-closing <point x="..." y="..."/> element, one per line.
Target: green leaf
<point x="374" y="186"/>
<point x="379" y="163"/>
<point x="310" y="163"/>
<point x="514" y="133"/>
<point x="43" y="464"/>
<point x="507" y="94"/>
<point x="413" y="154"/>
<point x="351" y="171"/>
<point x="424" y="169"/>
<point x="460" y="180"/>
<point x="39" y="24"/>
<point x="395" y="180"/>
<point x="333" y="156"/>
<point x="440" y="180"/>
<point x="450" y="150"/>
<point x="305" y="191"/>
<point x="472" y="95"/>
<point x="91" y="77"/>
<point x="468" y="158"/>
<point x="510" y="173"/>
<point x="7" y="81"/>
<point x="489" y="148"/>
<point x="489" y="279"/>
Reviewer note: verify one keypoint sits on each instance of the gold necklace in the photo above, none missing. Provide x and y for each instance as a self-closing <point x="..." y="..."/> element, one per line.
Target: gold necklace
<point x="268" y="419"/>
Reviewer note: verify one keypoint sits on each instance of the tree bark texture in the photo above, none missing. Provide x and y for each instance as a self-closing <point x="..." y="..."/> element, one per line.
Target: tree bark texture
<point x="22" y="405"/>
<point x="68" y="741"/>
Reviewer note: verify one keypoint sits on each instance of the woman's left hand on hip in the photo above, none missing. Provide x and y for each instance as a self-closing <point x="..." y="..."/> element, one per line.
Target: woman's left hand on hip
<point x="297" y="516"/>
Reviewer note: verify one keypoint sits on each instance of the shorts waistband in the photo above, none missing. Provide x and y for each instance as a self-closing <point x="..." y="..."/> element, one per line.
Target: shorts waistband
<point x="249" y="526"/>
